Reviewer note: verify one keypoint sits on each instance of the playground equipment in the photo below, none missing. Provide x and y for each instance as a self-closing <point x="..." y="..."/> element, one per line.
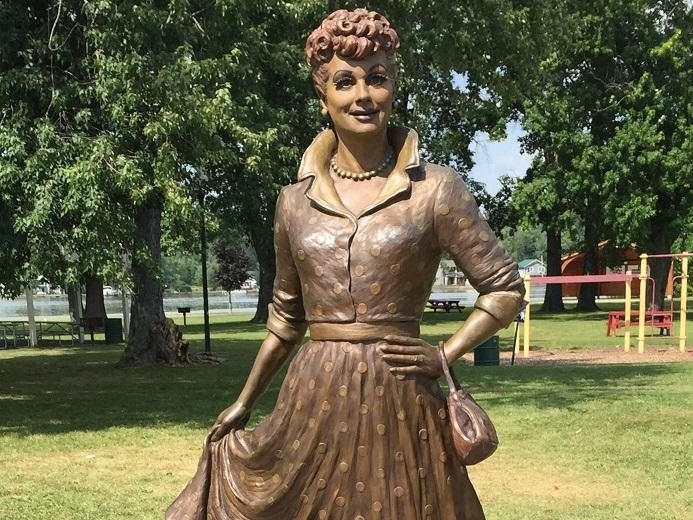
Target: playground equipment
<point x="684" y="297"/>
<point x="626" y="279"/>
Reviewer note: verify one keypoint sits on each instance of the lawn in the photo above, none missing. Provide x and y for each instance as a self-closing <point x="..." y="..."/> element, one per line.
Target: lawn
<point x="83" y="439"/>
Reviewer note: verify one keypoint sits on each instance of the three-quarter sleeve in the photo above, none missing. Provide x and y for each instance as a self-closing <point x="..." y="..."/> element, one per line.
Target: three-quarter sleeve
<point x="286" y="316"/>
<point x="465" y="234"/>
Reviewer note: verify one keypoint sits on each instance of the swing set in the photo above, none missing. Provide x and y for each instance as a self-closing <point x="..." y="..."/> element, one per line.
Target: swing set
<point x="661" y="319"/>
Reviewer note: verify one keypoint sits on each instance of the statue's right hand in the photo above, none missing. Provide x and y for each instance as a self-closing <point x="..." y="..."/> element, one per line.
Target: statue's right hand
<point x="233" y="418"/>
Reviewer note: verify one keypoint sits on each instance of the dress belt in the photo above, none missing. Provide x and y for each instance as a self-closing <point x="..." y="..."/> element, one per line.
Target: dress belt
<point x="362" y="331"/>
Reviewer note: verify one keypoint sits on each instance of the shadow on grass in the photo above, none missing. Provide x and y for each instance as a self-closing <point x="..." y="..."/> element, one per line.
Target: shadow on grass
<point x="45" y="391"/>
<point x="238" y="327"/>
<point x="564" y="386"/>
<point x="80" y="389"/>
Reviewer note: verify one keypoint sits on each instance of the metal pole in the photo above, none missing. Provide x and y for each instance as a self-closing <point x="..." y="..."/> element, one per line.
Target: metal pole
<point x="626" y="337"/>
<point x="641" y="307"/>
<point x="528" y="288"/>
<point x="684" y="303"/>
<point x="205" y="293"/>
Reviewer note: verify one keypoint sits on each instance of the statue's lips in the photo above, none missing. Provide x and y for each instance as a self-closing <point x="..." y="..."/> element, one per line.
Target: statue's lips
<point x="364" y="115"/>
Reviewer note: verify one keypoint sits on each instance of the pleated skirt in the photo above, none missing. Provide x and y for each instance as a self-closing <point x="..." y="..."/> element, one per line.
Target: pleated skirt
<point x="347" y="440"/>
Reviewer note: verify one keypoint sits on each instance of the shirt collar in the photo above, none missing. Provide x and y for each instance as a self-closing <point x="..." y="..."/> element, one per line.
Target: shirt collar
<point x="316" y="161"/>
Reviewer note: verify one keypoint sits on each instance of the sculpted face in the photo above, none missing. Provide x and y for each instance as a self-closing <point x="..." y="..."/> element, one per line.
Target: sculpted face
<point x="359" y="93"/>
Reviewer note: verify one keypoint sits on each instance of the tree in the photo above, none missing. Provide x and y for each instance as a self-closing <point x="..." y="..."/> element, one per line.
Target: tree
<point x="525" y="243"/>
<point x="614" y="116"/>
<point x="63" y="224"/>
<point x="105" y="106"/>
<point x="651" y="154"/>
<point x="499" y="211"/>
<point x="114" y="112"/>
<point x="233" y="266"/>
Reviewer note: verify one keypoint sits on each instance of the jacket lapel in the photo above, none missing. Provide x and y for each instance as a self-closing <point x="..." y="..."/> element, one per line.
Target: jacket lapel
<point x="316" y="159"/>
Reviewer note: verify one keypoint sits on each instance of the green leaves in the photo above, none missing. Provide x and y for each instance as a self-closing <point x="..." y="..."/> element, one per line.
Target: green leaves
<point x="613" y="89"/>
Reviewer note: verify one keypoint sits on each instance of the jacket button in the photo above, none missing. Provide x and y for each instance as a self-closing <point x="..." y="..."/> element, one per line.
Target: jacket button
<point x="375" y="288"/>
<point x="359" y="270"/>
<point x="391" y="308"/>
<point x="362" y="308"/>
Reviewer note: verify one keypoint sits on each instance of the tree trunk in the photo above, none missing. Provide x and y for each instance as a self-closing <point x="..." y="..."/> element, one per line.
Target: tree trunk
<point x="263" y="243"/>
<point x="74" y="303"/>
<point x="94" y="308"/>
<point x="152" y="337"/>
<point x="553" y="297"/>
<point x="588" y="291"/>
<point x="659" y="267"/>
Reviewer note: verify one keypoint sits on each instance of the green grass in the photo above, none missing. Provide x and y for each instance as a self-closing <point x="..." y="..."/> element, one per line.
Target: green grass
<point x="568" y="330"/>
<point x="83" y="439"/>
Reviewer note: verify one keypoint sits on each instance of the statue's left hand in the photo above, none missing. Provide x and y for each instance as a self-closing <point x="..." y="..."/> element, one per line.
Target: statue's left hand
<point x="411" y="356"/>
<point x="233" y="417"/>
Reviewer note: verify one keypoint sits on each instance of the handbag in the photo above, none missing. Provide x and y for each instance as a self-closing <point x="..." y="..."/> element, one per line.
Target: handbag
<point x="473" y="432"/>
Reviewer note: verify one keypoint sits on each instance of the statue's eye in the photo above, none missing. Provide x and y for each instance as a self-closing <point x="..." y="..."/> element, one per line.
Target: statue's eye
<point x="377" y="80"/>
<point x="343" y="83"/>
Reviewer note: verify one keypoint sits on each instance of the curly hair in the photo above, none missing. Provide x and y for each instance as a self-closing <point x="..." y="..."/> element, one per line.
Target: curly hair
<point x="353" y="34"/>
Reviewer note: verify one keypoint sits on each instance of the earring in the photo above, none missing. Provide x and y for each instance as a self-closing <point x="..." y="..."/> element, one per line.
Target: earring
<point x="324" y="112"/>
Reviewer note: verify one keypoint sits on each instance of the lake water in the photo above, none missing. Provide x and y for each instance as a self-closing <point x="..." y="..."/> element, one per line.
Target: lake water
<point x="56" y="305"/>
<point x="48" y="306"/>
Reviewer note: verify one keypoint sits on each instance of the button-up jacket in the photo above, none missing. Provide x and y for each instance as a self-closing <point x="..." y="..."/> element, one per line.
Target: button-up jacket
<point x="379" y="266"/>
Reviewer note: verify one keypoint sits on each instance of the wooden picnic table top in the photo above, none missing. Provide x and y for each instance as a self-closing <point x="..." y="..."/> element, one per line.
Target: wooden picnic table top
<point x="445" y="303"/>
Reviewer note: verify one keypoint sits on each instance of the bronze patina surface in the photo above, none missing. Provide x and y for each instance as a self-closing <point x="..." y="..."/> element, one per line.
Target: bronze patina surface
<point x="360" y="428"/>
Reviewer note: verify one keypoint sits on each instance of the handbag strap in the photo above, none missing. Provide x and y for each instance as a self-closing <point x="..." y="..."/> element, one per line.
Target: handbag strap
<point x="453" y="383"/>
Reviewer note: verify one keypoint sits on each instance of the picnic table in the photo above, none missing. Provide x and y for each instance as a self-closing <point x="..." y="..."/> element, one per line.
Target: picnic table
<point x="660" y="319"/>
<point x="445" y="304"/>
<point x="14" y="333"/>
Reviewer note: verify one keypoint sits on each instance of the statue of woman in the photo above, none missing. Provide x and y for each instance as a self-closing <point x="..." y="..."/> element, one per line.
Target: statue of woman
<point x="360" y="429"/>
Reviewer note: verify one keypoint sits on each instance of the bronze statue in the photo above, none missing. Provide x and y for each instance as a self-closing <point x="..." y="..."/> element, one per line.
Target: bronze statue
<point x="359" y="430"/>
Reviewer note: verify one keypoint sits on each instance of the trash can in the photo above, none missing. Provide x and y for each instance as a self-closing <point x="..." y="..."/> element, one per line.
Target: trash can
<point x="487" y="354"/>
<point x="113" y="331"/>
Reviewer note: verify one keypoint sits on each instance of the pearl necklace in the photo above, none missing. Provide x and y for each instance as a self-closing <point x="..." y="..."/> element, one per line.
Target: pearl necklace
<point x="361" y="176"/>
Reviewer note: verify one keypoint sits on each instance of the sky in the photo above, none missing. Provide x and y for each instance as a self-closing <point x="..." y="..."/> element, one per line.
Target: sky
<point x="493" y="159"/>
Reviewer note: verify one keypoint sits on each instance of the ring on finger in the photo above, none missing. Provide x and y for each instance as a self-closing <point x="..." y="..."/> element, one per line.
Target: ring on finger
<point x="419" y="359"/>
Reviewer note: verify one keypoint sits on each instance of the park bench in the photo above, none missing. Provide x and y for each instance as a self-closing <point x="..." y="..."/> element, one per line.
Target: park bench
<point x="663" y="320"/>
<point x="446" y="305"/>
